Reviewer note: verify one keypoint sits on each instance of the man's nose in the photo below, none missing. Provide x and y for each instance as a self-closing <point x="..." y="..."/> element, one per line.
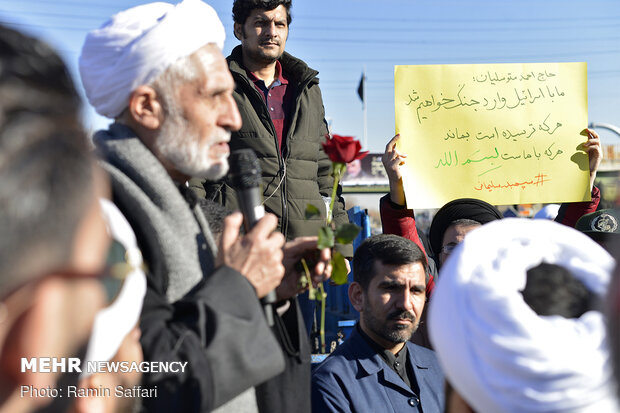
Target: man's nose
<point x="405" y="300"/>
<point x="270" y="29"/>
<point x="230" y="118"/>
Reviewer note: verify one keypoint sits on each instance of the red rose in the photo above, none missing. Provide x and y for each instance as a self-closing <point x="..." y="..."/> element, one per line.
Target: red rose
<point x="343" y="149"/>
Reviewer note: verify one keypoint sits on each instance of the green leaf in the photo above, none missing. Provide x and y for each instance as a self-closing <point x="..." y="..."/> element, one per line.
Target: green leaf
<point x="326" y="238"/>
<point x="339" y="269"/>
<point x="312" y="211"/>
<point x="346" y="233"/>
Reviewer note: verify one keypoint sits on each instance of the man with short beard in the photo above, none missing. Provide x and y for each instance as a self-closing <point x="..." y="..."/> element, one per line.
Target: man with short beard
<point x="283" y="118"/>
<point x="283" y="122"/>
<point x="158" y="71"/>
<point x="378" y="369"/>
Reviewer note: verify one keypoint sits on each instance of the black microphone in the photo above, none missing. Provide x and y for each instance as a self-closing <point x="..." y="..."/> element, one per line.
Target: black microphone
<point x="245" y="175"/>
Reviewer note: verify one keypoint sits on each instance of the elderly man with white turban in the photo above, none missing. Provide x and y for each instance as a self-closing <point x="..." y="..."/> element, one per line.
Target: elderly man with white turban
<point x="498" y="351"/>
<point x="157" y="69"/>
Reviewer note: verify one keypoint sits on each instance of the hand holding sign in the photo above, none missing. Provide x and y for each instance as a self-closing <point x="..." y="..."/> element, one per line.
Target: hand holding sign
<point x="504" y="133"/>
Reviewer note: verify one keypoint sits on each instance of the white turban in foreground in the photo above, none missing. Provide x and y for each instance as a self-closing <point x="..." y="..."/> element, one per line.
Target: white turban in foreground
<point x="113" y="323"/>
<point x="136" y="45"/>
<point x="495" y="350"/>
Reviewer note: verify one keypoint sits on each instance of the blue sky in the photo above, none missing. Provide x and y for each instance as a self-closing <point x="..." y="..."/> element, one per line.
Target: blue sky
<point x="340" y="37"/>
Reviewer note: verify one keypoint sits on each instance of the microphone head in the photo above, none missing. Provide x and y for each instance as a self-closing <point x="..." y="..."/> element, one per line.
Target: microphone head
<point x="245" y="170"/>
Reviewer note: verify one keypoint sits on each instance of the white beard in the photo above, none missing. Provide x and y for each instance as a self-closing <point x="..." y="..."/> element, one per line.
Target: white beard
<point x="181" y="146"/>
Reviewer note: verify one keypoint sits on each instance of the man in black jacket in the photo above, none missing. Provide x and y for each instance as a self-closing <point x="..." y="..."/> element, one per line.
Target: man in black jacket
<point x="283" y="121"/>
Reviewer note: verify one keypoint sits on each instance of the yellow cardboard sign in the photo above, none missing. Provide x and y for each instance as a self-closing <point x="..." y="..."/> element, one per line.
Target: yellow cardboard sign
<point x="503" y="133"/>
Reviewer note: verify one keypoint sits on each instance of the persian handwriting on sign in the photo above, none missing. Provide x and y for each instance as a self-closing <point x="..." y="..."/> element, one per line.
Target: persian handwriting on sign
<point x="497" y="101"/>
<point x="483" y="130"/>
<point x="495" y="153"/>
<point x="538" y="180"/>
<point x="509" y="77"/>
<point x="506" y="133"/>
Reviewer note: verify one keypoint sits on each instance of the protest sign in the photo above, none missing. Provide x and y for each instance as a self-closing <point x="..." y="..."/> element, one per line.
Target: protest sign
<point x="504" y="133"/>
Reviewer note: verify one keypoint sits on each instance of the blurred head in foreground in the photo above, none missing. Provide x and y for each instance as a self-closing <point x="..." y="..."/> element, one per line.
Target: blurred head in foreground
<point x="53" y="241"/>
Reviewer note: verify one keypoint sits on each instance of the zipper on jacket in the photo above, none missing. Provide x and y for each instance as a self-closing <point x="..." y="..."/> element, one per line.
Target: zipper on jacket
<point x="282" y="153"/>
<point x="285" y="152"/>
<point x="281" y="163"/>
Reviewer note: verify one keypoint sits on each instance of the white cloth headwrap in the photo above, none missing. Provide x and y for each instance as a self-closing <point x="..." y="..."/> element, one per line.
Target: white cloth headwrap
<point x="549" y="211"/>
<point x="136" y="45"/>
<point x="113" y="323"/>
<point x="495" y="350"/>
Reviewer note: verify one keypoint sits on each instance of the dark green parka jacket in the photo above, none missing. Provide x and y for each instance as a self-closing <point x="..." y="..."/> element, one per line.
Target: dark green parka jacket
<point x="302" y="174"/>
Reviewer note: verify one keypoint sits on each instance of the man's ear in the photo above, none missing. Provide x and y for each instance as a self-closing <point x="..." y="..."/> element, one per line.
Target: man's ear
<point x="145" y="107"/>
<point x="356" y="296"/>
<point x="238" y="30"/>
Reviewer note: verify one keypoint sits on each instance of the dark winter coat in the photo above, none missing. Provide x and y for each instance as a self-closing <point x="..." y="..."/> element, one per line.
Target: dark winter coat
<point x="301" y="175"/>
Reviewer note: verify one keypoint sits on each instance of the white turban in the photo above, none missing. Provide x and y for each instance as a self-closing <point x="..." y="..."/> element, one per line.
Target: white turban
<point x="113" y="323"/>
<point x="136" y="45"/>
<point x="495" y="350"/>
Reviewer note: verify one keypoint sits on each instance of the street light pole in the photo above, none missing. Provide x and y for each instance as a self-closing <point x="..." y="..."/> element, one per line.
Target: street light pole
<point x="608" y="126"/>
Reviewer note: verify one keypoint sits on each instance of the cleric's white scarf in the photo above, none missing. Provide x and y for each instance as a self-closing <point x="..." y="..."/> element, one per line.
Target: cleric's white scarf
<point x="136" y="45"/>
<point x="495" y="350"/>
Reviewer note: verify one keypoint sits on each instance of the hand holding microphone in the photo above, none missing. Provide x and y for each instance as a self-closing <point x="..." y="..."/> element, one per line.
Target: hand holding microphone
<point x="257" y="255"/>
<point x="261" y="255"/>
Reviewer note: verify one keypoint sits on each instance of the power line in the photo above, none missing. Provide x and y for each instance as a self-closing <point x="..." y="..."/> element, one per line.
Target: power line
<point x="61" y="15"/>
<point x="31" y="15"/>
<point x="348" y="83"/>
<point x="387" y="43"/>
<point x="105" y="5"/>
<point x="432" y="60"/>
<point x="372" y="80"/>
<point x="569" y="24"/>
<point x="570" y="19"/>
<point x="45" y="26"/>
<point x="453" y="41"/>
<point x="469" y="29"/>
<point x="400" y="58"/>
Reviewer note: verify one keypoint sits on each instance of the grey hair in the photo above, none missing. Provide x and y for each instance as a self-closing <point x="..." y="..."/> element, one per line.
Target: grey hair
<point x="187" y="69"/>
